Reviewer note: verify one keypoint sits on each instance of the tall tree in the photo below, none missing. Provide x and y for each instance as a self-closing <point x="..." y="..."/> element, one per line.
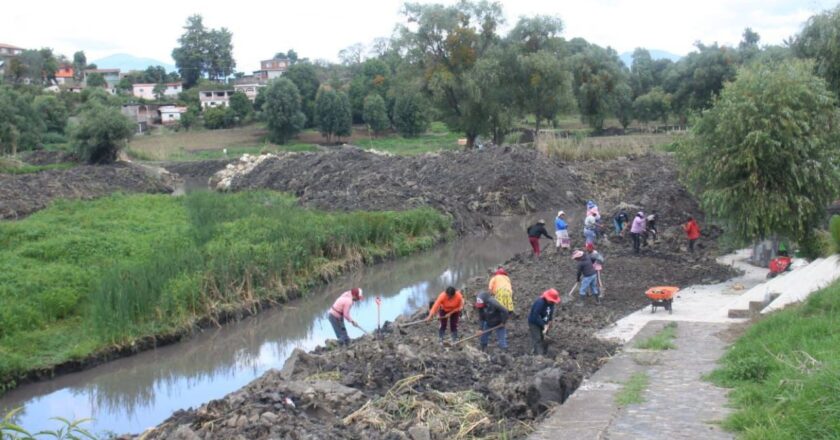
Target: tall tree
<point x="411" y="113"/>
<point x="21" y="126"/>
<point x="373" y="77"/>
<point x="445" y="42"/>
<point x="305" y="77"/>
<point x="820" y="41"/>
<point x="220" y="63"/>
<point x="79" y="64"/>
<point x="333" y="113"/>
<point x="101" y="133"/>
<point x="203" y="51"/>
<point x="537" y="33"/>
<point x="281" y="110"/>
<point x="53" y="112"/>
<point x="765" y="156"/>
<point x="375" y="113"/>
<point x="543" y="85"/>
<point x="642" y="72"/>
<point x="597" y="74"/>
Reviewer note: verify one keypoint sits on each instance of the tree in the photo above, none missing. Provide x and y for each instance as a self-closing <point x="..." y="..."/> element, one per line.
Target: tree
<point x="538" y="33"/>
<point x="333" y="113"/>
<point x="654" y="105"/>
<point x="698" y="77"/>
<point x="241" y="106"/>
<point x="79" y="65"/>
<point x="188" y="118"/>
<point x="748" y="47"/>
<point x="219" y="117"/>
<point x="95" y="79"/>
<point x="36" y="66"/>
<point x="101" y="133"/>
<point x="159" y="91"/>
<point x="203" y="51"/>
<point x="375" y="113"/>
<point x="542" y="84"/>
<point x="623" y="104"/>
<point x="411" y="113"/>
<point x="220" y="63"/>
<point x="53" y="112"/>
<point x="819" y="41"/>
<point x="306" y="79"/>
<point x="597" y="73"/>
<point x="281" y="110"/>
<point x="446" y="42"/>
<point x="765" y="156"/>
<point x="642" y="76"/>
<point x="373" y="77"/>
<point x="21" y="127"/>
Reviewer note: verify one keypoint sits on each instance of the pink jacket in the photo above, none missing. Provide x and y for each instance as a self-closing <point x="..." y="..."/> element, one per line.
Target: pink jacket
<point x="639" y="225"/>
<point x="341" y="306"/>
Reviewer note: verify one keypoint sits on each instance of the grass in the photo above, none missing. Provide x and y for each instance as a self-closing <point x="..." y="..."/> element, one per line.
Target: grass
<point x="83" y="276"/>
<point x="785" y="373"/>
<point x="12" y="166"/>
<point x="631" y="392"/>
<point x="662" y="340"/>
<point x="436" y="139"/>
<point x="67" y="429"/>
<point x="602" y="147"/>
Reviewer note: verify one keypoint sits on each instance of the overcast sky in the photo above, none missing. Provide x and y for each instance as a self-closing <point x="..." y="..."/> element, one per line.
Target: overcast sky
<point x="320" y="28"/>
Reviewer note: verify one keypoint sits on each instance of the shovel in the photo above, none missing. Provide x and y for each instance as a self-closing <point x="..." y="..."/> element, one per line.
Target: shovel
<point x="479" y="334"/>
<point x="360" y="328"/>
<point x="601" y="285"/>
<point x="572" y="291"/>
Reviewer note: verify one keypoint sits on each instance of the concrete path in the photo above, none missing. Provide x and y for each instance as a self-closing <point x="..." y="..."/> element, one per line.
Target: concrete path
<point x="678" y="404"/>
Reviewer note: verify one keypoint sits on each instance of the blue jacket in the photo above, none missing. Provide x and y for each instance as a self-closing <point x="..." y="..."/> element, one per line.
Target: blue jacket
<point x="541" y="312"/>
<point x="560" y="224"/>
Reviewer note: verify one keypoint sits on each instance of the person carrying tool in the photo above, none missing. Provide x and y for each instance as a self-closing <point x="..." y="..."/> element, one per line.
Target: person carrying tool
<point x="619" y="221"/>
<point x="500" y="287"/>
<point x="637" y="229"/>
<point x="493" y="317"/>
<point x="542" y="311"/>
<point x="586" y="276"/>
<point x="692" y="232"/>
<point x="536" y="231"/>
<point x="650" y="228"/>
<point x="597" y="262"/>
<point x="561" y="231"/>
<point x="340" y="311"/>
<point x="590" y="226"/>
<point x="449" y="305"/>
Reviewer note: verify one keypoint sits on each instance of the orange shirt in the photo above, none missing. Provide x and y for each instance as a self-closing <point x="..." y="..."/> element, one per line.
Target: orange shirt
<point x="449" y="305"/>
<point x="499" y="282"/>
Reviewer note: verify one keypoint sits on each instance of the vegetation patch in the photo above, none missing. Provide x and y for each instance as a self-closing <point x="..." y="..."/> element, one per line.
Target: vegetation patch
<point x="81" y="277"/>
<point x="8" y="166"/>
<point x="785" y="373"/>
<point x="581" y="147"/>
<point x="631" y="392"/>
<point x="662" y="340"/>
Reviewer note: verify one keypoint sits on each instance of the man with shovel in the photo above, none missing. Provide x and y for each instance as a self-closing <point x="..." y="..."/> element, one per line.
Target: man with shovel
<point x="493" y="317"/>
<point x="449" y="304"/>
<point x="540" y="318"/>
<point x="340" y="311"/>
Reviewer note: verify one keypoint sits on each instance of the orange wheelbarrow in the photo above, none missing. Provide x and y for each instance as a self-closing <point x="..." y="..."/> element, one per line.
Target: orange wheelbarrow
<point x="662" y="296"/>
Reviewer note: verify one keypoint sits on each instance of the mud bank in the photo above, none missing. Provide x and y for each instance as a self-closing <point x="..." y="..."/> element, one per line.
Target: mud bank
<point x="23" y="194"/>
<point x="407" y="385"/>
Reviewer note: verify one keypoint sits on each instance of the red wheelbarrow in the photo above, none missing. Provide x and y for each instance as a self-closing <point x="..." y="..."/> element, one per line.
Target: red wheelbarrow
<point x="661" y="296"/>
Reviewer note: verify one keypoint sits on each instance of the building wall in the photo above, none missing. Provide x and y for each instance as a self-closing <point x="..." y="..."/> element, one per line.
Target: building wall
<point x="217" y="98"/>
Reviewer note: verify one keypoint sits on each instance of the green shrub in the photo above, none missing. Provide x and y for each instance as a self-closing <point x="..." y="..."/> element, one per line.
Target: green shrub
<point x="219" y="117"/>
<point x="834" y="230"/>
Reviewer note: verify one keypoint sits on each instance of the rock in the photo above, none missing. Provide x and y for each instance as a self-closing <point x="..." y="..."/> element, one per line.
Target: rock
<point x="183" y="433"/>
<point x="268" y="417"/>
<point x="419" y="432"/>
<point x="550" y="386"/>
<point x="406" y="352"/>
<point x="242" y="421"/>
<point x="289" y="366"/>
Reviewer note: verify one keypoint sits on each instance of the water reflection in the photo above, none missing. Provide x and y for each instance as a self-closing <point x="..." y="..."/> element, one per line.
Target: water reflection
<point x="131" y="394"/>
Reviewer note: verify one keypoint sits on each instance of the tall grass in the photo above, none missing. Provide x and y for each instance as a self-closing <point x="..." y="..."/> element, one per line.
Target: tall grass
<point x="785" y="373"/>
<point x="81" y="276"/>
<point x="579" y="148"/>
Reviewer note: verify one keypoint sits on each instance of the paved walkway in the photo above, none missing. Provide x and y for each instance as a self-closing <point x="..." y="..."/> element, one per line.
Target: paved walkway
<point x="678" y="404"/>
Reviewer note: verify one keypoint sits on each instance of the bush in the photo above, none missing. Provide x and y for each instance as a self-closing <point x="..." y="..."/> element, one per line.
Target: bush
<point x="219" y="117"/>
<point x="281" y="110"/>
<point x="834" y="230"/>
<point x="411" y="114"/>
<point x="101" y="134"/>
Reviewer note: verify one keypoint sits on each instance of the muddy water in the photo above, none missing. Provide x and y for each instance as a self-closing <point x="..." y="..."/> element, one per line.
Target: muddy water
<point x="132" y="394"/>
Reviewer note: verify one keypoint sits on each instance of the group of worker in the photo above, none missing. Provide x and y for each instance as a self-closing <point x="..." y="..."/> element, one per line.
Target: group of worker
<point x="496" y="305"/>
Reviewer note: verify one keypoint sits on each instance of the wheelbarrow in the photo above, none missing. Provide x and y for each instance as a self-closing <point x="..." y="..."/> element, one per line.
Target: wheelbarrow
<point x="662" y="296"/>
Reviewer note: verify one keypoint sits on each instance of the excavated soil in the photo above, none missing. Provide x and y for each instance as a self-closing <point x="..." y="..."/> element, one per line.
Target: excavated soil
<point x="402" y="383"/>
<point x="23" y="194"/>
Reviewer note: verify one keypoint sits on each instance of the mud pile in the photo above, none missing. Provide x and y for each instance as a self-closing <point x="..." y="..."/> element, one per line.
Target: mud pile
<point x="196" y="169"/>
<point x="406" y="385"/>
<point x="469" y="185"/>
<point x="23" y="194"/>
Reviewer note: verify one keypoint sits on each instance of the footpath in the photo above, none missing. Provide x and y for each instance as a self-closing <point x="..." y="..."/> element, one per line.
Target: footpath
<point x="675" y="402"/>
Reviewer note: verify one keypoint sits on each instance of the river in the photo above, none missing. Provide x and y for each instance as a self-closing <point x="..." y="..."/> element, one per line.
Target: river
<point x="131" y="394"/>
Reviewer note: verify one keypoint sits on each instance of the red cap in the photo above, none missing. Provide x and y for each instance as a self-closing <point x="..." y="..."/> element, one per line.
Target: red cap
<point x="356" y="293"/>
<point x="590" y="247"/>
<point x="501" y="271"/>
<point x="552" y="296"/>
<point x="479" y="303"/>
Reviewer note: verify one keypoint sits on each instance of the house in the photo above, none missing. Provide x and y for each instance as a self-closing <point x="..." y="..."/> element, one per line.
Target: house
<point x="273" y="68"/>
<point x="142" y="115"/>
<point x="249" y="88"/>
<point x="64" y="75"/>
<point x="72" y="87"/>
<point x="8" y="51"/>
<point x="170" y="114"/>
<point x="214" y="98"/>
<point x="147" y="90"/>
<point x="111" y="76"/>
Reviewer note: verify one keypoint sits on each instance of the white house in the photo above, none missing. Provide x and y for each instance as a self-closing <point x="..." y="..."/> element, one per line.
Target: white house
<point x="250" y="89"/>
<point x="147" y="91"/>
<point x="170" y="114"/>
<point x="214" y="98"/>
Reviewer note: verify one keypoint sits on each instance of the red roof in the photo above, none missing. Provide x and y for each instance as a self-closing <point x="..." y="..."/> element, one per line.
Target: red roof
<point x="9" y="46"/>
<point x="64" y="72"/>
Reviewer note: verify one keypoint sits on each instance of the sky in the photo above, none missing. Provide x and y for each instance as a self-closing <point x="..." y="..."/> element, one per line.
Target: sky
<point x="319" y="29"/>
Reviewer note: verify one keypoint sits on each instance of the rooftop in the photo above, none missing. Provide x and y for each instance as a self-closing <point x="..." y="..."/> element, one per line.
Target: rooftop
<point x="9" y="46"/>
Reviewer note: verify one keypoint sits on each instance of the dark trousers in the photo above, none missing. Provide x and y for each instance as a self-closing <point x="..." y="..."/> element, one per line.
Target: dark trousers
<point x="535" y="245"/>
<point x="537" y="339"/>
<point x="691" y="245"/>
<point x="339" y="329"/>
<point x="452" y="321"/>
<point x="637" y="241"/>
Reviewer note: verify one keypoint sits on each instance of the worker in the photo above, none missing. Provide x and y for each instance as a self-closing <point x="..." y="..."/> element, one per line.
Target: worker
<point x="449" y="304"/>
<point x="561" y="231"/>
<point x="692" y="232"/>
<point x="597" y="263"/>
<point x="586" y="276"/>
<point x="492" y="315"/>
<point x="592" y="209"/>
<point x="534" y="233"/>
<point x="539" y="320"/>
<point x="590" y="226"/>
<point x="619" y="221"/>
<point x="500" y="287"/>
<point x="637" y="229"/>
<point x="650" y="227"/>
<point x="340" y="311"/>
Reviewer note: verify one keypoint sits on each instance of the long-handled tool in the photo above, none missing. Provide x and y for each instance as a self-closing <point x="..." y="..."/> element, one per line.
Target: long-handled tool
<point x="600" y="285"/>
<point x="479" y="334"/>
<point x="572" y="291"/>
<point x="409" y="324"/>
<point x="360" y="328"/>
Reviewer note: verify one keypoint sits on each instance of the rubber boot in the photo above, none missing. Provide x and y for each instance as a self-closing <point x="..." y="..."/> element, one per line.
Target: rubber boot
<point x="441" y="334"/>
<point x="454" y="336"/>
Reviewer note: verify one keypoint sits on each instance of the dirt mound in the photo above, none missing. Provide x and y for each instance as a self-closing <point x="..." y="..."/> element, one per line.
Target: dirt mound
<point x="200" y="168"/>
<point x="23" y="194"/>
<point x="43" y="157"/>
<point x="469" y="185"/>
<point x="408" y="382"/>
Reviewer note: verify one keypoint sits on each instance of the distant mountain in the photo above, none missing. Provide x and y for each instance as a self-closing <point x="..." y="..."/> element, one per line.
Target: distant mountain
<point x="126" y="62"/>
<point x="627" y="57"/>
